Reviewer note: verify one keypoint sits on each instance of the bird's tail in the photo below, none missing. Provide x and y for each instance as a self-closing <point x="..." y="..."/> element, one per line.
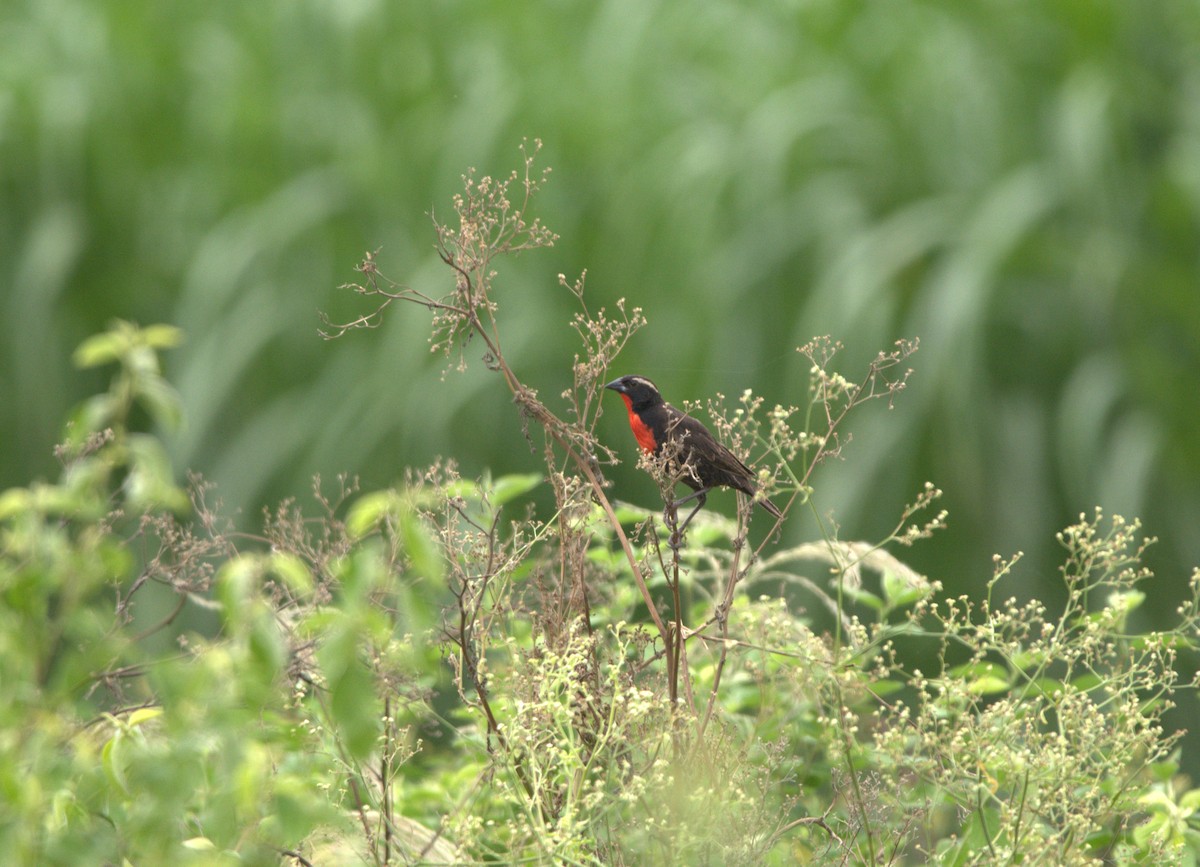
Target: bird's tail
<point x="770" y="507"/>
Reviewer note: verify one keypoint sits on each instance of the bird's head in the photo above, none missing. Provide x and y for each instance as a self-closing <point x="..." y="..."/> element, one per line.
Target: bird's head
<point x="639" y="392"/>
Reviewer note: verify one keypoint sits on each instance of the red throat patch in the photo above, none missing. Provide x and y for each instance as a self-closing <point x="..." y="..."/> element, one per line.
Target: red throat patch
<point x="641" y="432"/>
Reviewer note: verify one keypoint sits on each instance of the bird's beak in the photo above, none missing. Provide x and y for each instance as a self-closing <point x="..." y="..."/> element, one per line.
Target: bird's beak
<point x="616" y="386"/>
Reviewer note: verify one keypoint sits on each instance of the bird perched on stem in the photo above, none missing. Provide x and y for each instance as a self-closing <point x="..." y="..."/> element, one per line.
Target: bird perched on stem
<point x="693" y="454"/>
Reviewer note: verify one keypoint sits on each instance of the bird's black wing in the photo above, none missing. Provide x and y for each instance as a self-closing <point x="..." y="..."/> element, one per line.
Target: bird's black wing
<point x="714" y="463"/>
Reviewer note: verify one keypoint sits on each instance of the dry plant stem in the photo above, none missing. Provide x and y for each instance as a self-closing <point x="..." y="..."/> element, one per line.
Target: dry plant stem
<point x="674" y="650"/>
<point x="469" y="613"/>
<point x="860" y="799"/>
<point x="468" y="616"/>
<point x="490" y="226"/>
<point x="553" y="426"/>
<point x="869" y="388"/>
<point x="863" y="391"/>
<point x="385" y="783"/>
<point x="721" y="615"/>
<point x="361" y="804"/>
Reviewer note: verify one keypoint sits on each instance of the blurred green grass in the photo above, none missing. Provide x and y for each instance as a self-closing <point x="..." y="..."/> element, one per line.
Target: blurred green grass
<point x="1016" y="184"/>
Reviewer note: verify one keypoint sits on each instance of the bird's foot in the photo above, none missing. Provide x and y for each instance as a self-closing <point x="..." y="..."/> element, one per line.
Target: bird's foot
<point x="671" y="522"/>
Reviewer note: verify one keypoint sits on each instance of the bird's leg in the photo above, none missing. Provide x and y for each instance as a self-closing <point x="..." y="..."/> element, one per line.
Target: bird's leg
<point x="700" y="496"/>
<point x="671" y="511"/>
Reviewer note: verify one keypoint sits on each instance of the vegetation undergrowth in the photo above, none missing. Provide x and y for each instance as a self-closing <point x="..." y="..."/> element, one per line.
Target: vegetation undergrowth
<point x="436" y="673"/>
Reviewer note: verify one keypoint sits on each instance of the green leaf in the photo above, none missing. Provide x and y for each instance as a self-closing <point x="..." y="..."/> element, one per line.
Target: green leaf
<point x="1047" y="686"/>
<point x="267" y="648"/>
<point x="234" y="582"/>
<point x="464" y="488"/>
<point x="296" y="808"/>
<point x="988" y="685"/>
<point x="893" y="587"/>
<point x="64" y="806"/>
<point x="336" y="652"/>
<point x="983" y="678"/>
<point x="353" y="706"/>
<point x="508" y="488"/>
<point x="135" y="347"/>
<point x="423" y="553"/>
<point x="150" y="483"/>
<point x="1174" y="640"/>
<point x="14" y="501"/>
<point x="292" y="571"/>
<point x="1027" y="659"/>
<point x="886" y="687"/>
<point x="629" y="514"/>
<point x="110" y="758"/>
<point x="705" y="535"/>
<point x="1126" y="600"/>
<point x="162" y="336"/>
<point x="353" y="703"/>
<point x="1163" y="771"/>
<point x="144" y="714"/>
<point x="94" y="414"/>
<point x="368" y="510"/>
<point x="160" y="400"/>
<point x="361" y="572"/>
<point x="864" y="597"/>
<point x="900" y="592"/>
<point x="100" y="349"/>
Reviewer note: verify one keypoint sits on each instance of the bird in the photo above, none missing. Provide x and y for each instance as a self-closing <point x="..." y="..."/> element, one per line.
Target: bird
<point x="705" y="462"/>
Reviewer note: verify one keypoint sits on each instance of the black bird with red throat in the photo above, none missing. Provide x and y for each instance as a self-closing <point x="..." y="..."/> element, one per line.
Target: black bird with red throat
<point x="703" y="462"/>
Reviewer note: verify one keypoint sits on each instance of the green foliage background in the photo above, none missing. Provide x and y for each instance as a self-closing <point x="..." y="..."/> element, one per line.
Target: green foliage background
<point x="1016" y="184"/>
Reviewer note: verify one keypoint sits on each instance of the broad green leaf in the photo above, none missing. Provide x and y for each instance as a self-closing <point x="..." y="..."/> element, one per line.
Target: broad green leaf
<point x="1047" y="686"/>
<point x="144" y="714"/>
<point x="1127" y="600"/>
<point x="983" y="678"/>
<point x="295" y="807"/>
<point x="900" y="592"/>
<point x="988" y="685"/>
<point x="150" y="484"/>
<point x="1027" y="659"/>
<point x="161" y="401"/>
<point x="267" y="648"/>
<point x="336" y="651"/>
<point x="110" y="758"/>
<point x="234" y="582"/>
<point x="508" y="488"/>
<point x="423" y="553"/>
<point x="368" y="510"/>
<point x="14" y="501"/>
<point x="100" y="349"/>
<point x="353" y="705"/>
<point x="864" y="597"/>
<point x="93" y="415"/>
<point x="464" y="488"/>
<point x="63" y="805"/>
<point x="362" y="571"/>
<point x="1164" y="771"/>
<point x="162" y="336"/>
<point x="293" y="571"/>
<point x="886" y="687"/>
<point x="629" y="514"/>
